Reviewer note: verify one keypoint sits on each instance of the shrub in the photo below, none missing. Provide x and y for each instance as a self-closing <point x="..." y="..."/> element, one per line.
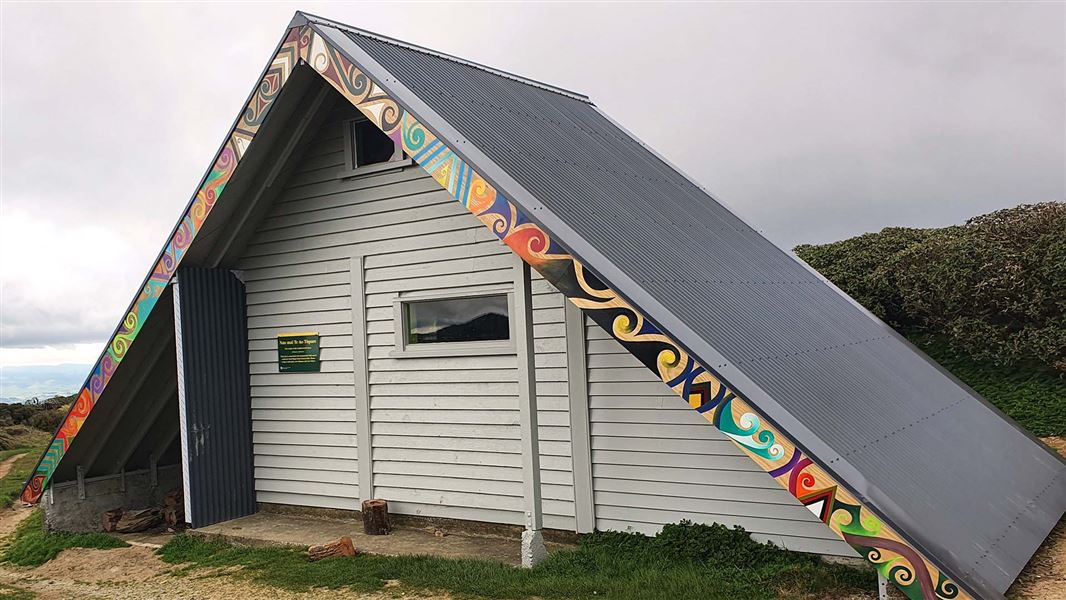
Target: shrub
<point x="46" y="420"/>
<point x="993" y="288"/>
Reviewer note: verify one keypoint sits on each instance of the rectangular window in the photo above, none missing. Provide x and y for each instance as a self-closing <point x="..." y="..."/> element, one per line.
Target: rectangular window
<point x="469" y="319"/>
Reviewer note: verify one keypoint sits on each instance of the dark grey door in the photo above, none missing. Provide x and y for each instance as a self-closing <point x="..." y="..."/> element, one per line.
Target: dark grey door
<point x="214" y="396"/>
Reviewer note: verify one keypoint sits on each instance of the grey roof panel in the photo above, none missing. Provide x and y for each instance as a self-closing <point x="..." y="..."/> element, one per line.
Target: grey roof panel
<point x="962" y="482"/>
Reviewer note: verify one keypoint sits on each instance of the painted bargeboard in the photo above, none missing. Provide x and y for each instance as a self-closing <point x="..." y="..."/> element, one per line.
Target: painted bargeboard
<point x="701" y="388"/>
<point x="705" y="392"/>
<point x="222" y="169"/>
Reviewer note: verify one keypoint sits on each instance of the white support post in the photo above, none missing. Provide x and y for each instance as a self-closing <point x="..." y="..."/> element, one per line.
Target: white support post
<point x="578" y="390"/>
<point x="882" y="587"/>
<point x="364" y="447"/>
<point x="183" y="425"/>
<point x="533" y="550"/>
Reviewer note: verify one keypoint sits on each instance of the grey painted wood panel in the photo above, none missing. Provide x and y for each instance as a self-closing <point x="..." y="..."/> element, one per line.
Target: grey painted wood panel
<point x="444" y="430"/>
<point x="656" y="461"/>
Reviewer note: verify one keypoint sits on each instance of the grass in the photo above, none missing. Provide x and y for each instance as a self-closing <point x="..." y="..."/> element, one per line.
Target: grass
<point x="8" y="592"/>
<point x="11" y="485"/>
<point x="20" y="437"/>
<point x="684" y="562"/>
<point x="1035" y="398"/>
<point x="32" y="545"/>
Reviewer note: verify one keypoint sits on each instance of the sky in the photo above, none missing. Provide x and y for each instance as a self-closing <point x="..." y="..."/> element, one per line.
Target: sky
<point x="814" y="122"/>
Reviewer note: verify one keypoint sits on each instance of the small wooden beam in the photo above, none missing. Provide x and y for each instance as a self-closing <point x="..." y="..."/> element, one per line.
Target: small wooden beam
<point x="81" y="482"/>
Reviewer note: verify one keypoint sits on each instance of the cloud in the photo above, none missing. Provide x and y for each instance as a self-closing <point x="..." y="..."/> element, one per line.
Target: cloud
<point x="814" y="121"/>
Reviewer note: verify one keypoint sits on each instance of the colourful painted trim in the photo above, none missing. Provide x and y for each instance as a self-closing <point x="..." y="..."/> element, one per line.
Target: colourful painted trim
<point x="702" y="388"/>
<point x="222" y="169"/>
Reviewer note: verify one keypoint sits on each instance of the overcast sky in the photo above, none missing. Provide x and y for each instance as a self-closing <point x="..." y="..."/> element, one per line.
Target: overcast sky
<point x="814" y="121"/>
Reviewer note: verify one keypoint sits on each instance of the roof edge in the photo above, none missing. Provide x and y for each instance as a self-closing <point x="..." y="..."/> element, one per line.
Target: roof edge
<point x="842" y="470"/>
<point x="303" y="18"/>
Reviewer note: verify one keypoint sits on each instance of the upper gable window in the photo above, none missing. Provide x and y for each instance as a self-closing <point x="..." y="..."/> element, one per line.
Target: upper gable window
<point x="365" y="146"/>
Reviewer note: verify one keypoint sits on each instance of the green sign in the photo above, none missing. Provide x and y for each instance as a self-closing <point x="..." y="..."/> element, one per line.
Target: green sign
<point x="298" y="353"/>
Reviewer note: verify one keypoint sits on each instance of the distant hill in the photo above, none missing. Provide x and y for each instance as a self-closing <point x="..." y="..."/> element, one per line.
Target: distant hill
<point x="18" y="384"/>
<point x="480" y="328"/>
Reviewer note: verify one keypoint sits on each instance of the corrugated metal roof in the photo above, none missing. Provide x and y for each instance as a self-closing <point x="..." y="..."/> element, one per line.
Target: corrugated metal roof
<point x="963" y="483"/>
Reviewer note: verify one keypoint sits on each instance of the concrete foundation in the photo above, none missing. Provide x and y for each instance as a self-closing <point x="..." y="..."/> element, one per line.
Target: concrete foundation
<point x="79" y="506"/>
<point x="276" y="529"/>
<point x="533" y="550"/>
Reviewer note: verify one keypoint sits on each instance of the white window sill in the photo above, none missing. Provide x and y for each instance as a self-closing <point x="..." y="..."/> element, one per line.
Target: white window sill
<point x="375" y="168"/>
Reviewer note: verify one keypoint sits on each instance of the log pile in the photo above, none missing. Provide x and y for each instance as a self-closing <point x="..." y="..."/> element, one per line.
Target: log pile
<point x="144" y="519"/>
<point x="341" y="547"/>
<point x="121" y="520"/>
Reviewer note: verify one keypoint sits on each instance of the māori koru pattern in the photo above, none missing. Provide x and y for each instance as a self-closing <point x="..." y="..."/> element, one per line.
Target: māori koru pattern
<point x="221" y="171"/>
<point x="697" y="385"/>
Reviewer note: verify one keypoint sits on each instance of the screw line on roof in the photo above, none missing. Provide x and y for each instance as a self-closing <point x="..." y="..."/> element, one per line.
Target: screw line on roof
<point x="441" y="55"/>
<point x="1028" y="506"/>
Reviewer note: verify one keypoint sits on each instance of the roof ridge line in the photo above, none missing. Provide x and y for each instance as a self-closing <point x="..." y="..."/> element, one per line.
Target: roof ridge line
<point x="449" y="57"/>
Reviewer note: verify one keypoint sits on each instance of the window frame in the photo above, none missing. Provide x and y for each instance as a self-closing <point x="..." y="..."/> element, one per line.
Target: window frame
<point x="403" y="349"/>
<point x="351" y="166"/>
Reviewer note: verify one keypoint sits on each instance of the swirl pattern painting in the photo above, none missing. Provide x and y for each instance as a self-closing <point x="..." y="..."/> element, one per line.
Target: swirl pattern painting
<point x="705" y="392"/>
<point x="724" y="408"/>
<point x="209" y="192"/>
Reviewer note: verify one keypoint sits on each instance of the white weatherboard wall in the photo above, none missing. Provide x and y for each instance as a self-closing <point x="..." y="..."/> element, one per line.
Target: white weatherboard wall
<point x="657" y="461"/>
<point x="444" y="430"/>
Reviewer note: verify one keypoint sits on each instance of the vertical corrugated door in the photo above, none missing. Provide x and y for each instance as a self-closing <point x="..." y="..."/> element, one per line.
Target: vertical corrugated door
<point x="217" y="420"/>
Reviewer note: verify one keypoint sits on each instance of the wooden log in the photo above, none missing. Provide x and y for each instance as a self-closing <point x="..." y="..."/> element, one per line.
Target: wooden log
<point x="110" y="518"/>
<point x="138" y="520"/>
<point x="376" y="517"/>
<point x="173" y="509"/>
<point x="341" y="547"/>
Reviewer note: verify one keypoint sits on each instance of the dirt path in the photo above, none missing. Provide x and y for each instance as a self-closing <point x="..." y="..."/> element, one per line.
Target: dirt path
<point x="7" y="464"/>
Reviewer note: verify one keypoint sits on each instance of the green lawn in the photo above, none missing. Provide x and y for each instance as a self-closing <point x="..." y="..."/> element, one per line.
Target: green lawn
<point x="684" y="562"/>
<point x="32" y="545"/>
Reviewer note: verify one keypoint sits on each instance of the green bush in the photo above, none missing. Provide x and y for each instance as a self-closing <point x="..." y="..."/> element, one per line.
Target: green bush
<point x="1035" y="398"/>
<point x="986" y="299"/>
<point x="44" y="415"/>
<point x="993" y="288"/>
<point x="46" y="420"/>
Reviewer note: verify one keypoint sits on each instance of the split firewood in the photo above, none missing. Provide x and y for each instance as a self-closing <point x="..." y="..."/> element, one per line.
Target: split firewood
<point x="376" y="517"/>
<point x="173" y="509"/>
<point x="138" y="520"/>
<point x="341" y="547"/>
<point x="110" y="518"/>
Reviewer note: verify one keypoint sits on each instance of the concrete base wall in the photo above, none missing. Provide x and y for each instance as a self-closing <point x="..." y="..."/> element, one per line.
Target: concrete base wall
<point x="65" y="510"/>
